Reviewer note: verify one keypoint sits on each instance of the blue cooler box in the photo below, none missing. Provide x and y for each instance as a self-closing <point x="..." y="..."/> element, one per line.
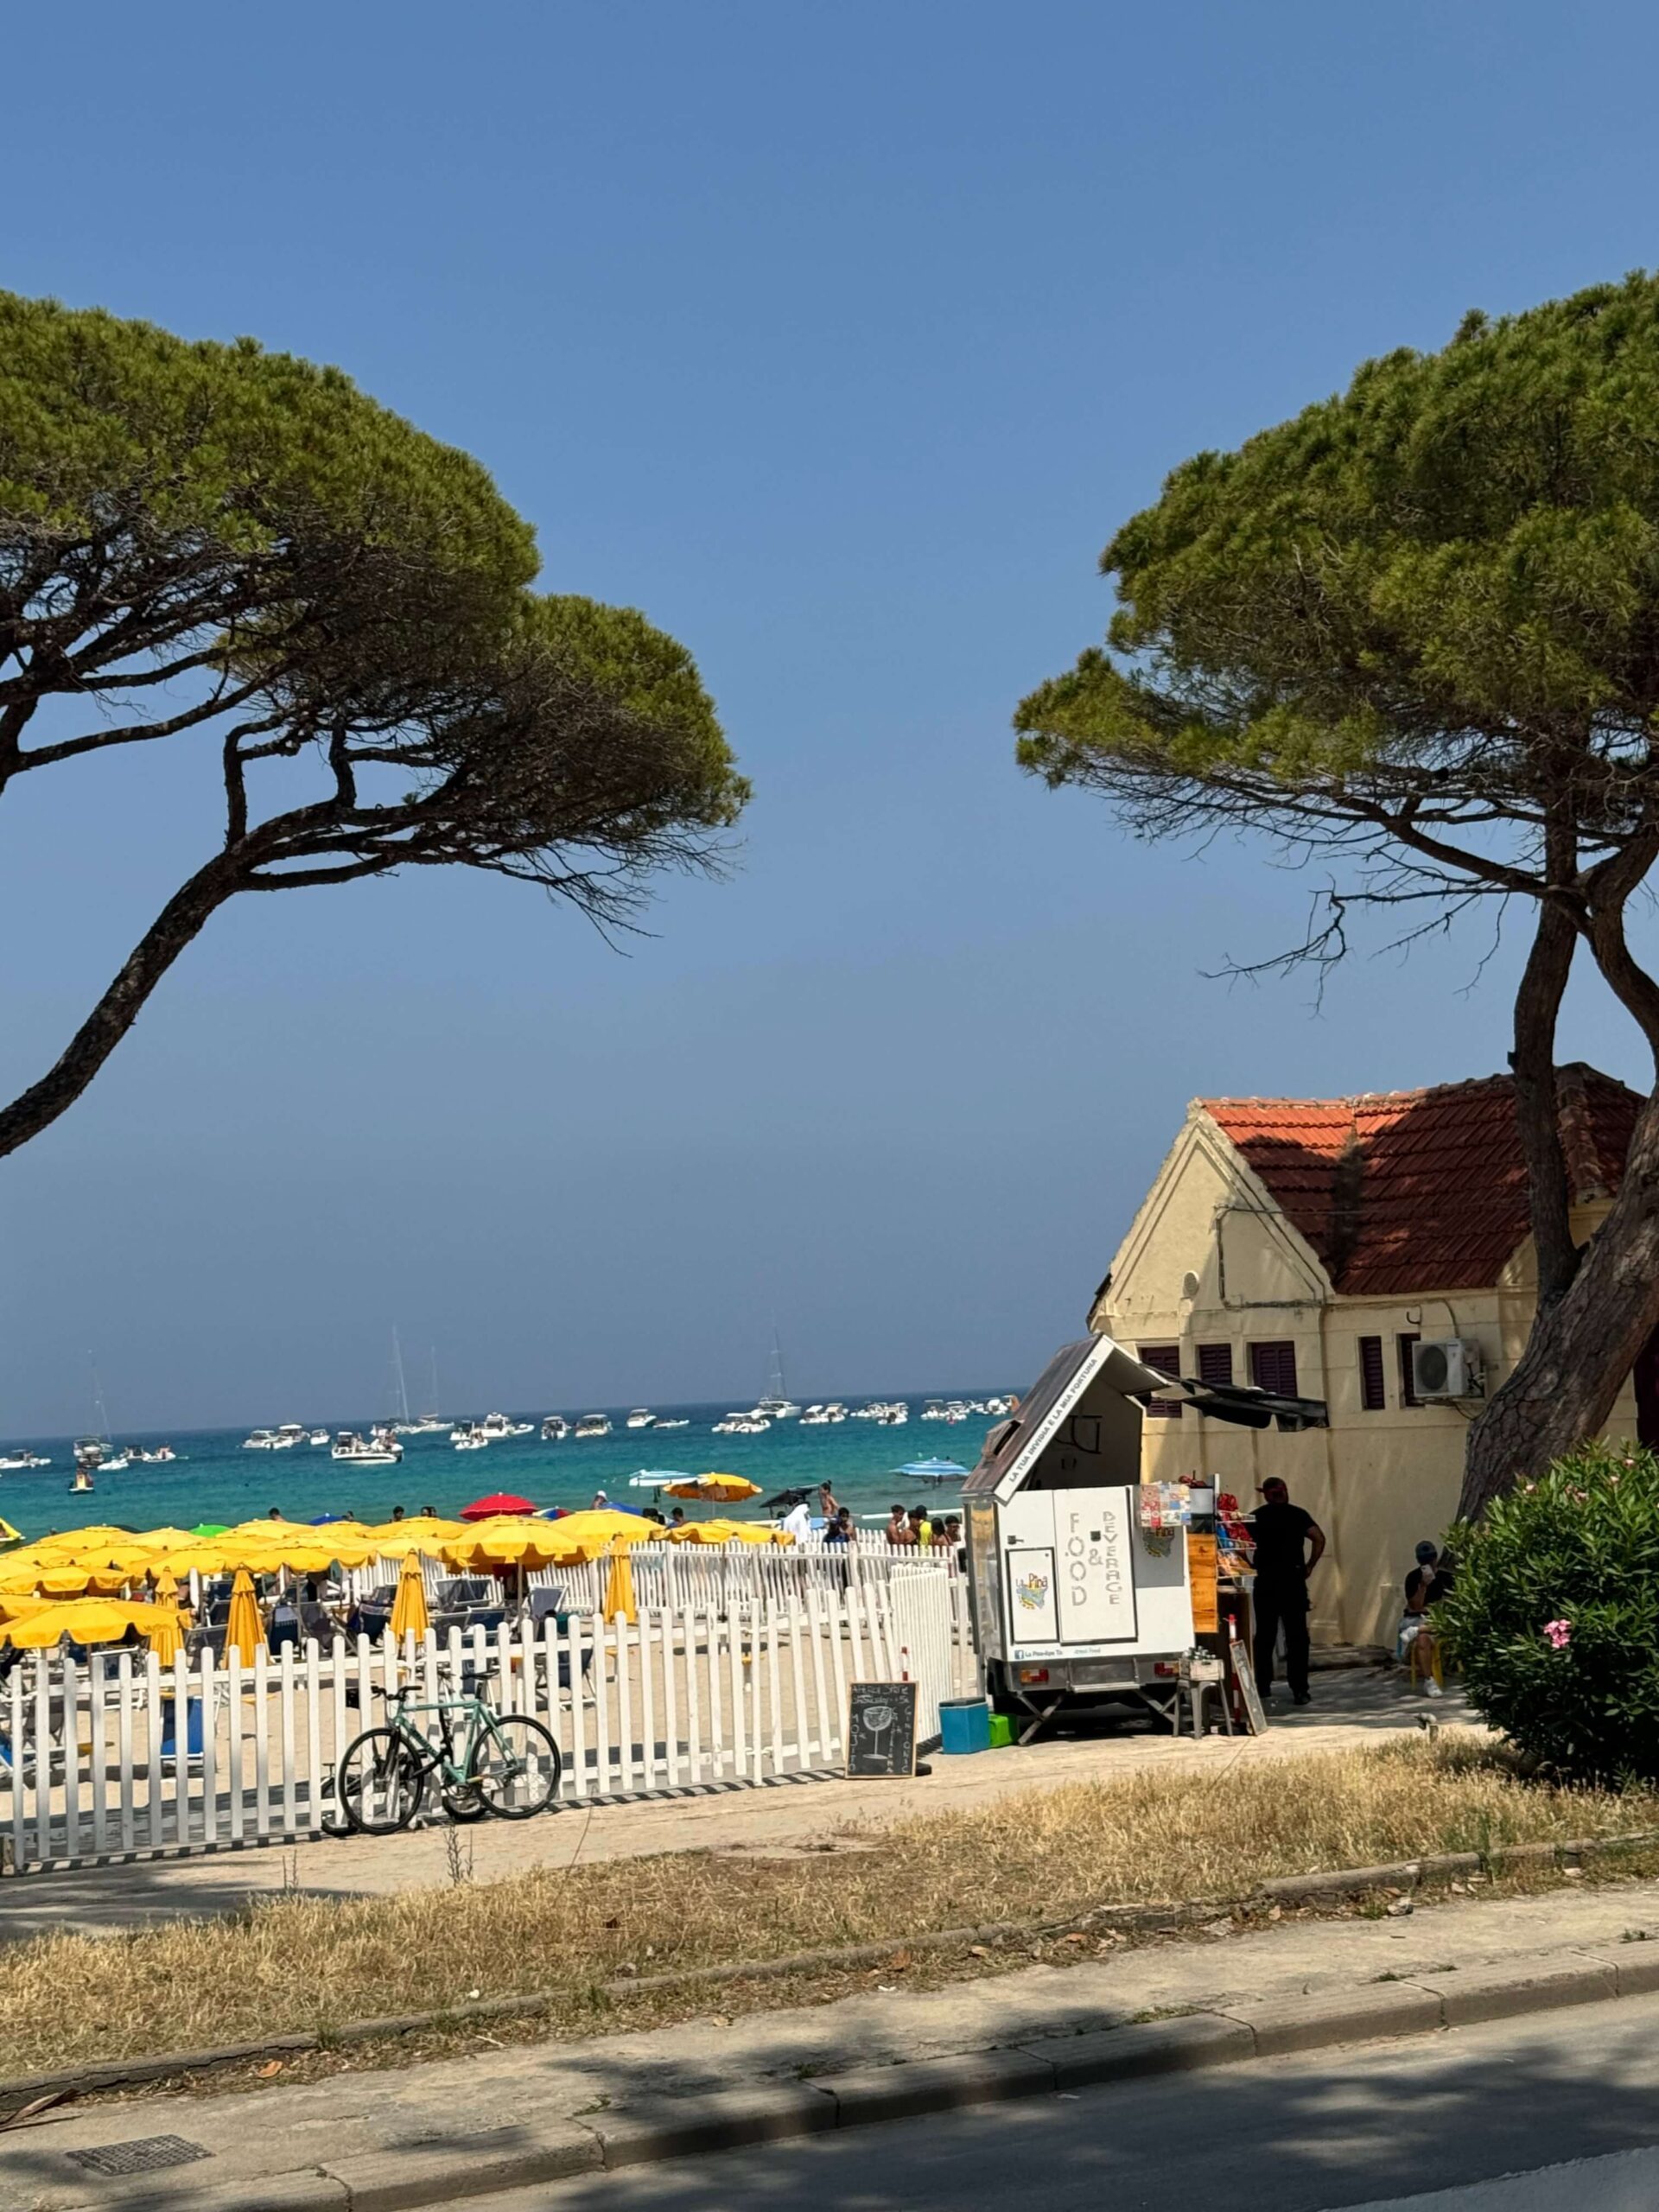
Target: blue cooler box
<point x="964" y="1724"/>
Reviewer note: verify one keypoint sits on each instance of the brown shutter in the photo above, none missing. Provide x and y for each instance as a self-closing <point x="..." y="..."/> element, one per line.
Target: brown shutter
<point x="1167" y="1359"/>
<point x="1273" y="1367"/>
<point x="1216" y="1365"/>
<point x="1373" y="1397"/>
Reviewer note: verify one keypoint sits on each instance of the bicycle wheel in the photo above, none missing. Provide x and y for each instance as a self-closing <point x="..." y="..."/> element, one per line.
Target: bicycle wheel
<point x="378" y="1783"/>
<point x="516" y="1767"/>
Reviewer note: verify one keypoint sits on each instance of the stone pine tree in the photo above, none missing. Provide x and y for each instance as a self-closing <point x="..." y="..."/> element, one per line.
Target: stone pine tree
<point x="215" y="547"/>
<point x="1414" y="633"/>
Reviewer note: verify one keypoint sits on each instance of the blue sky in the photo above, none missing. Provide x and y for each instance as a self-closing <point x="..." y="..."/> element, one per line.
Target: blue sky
<point x="839" y="340"/>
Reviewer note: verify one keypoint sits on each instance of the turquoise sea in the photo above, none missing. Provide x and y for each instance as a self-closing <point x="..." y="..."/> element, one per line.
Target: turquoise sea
<point x="214" y="1479"/>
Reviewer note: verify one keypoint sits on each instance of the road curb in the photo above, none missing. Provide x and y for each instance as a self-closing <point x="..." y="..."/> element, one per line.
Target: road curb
<point x="451" y="2167"/>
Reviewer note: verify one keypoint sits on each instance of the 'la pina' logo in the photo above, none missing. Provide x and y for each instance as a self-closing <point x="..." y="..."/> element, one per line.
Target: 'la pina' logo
<point x="1032" y="1590"/>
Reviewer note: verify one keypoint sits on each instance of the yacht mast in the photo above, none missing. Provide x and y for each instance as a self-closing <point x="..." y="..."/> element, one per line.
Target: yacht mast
<point x="399" y="1387"/>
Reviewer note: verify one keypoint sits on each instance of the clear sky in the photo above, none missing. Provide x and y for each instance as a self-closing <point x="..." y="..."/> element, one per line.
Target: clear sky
<point x="838" y="338"/>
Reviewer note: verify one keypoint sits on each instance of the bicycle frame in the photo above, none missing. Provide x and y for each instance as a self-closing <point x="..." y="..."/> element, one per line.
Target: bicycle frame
<point x="400" y="1718"/>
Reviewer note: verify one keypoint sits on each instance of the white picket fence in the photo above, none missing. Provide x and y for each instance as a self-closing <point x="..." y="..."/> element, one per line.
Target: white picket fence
<point x="115" y="1754"/>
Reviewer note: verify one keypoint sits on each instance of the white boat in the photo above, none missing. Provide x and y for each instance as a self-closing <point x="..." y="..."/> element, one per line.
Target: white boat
<point x="378" y="1450"/>
<point x="116" y="1464"/>
<point x="593" y="1424"/>
<point x="14" y="1462"/>
<point x="290" y="1434"/>
<point x="318" y="1436"/>
<point x="555" y="1429"/>
<point x="641" y="1417"/>
<point x="742" y="1425"/>
<point x="497" y="1427"/>
<point x="260" y="1440"/>
<point x="680" y="1421"/>
<point x="469" y="1439"/>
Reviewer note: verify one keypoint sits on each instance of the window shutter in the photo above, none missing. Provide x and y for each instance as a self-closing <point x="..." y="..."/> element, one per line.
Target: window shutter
<point x="1167" y="1359"/>
<point x="1373" y="1397"/>
<point x="1273" y="1367"/>
<point x="1216" y="1363"/>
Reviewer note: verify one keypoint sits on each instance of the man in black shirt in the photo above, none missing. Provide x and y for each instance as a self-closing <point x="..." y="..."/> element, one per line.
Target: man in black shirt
<point x="1288" y="1542"/>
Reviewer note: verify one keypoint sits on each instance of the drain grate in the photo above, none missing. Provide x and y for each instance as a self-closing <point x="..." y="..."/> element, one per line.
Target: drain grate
<point x="146" y="2156"/>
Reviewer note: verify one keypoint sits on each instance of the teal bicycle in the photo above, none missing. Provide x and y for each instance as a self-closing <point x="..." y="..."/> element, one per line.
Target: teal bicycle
<point x="500" y="1762"/>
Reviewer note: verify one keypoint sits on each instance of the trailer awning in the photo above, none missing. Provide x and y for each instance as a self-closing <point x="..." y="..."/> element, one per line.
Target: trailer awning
<point x="1013" y="1449"/>
<point x="1247" y="1407"/>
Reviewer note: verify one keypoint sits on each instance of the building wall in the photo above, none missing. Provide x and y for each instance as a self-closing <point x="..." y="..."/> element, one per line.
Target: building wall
<point x="1211" y="1260"/>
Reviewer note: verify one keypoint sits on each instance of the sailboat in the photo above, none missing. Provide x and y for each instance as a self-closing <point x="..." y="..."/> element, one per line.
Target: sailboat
<point x="398" y="1420"/>
<point x="431" y="1420"/>
<point x="776" y="1404"/>
<point x="96" y="1451"/>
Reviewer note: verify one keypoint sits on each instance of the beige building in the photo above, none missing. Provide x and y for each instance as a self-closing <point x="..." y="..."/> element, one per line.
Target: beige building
<point x="1305" y="1246"/>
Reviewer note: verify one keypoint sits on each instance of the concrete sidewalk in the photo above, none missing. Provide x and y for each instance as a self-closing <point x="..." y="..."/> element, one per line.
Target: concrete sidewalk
<point x="433" y="2133"/>
<point x="1349" y="1708"/>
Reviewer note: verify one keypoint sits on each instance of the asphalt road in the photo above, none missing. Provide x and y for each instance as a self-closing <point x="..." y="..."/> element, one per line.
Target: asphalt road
<point x="1561" y="2109"/>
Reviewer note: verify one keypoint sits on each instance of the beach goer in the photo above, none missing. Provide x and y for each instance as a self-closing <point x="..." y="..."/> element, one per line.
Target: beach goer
<point x="397" y="1512"/>
<point x="1289" y="1543"/>
<point x="677" y="1518"/>
<point x="600" y="1499"/>
<point x="274" y="1513"/>
<point x="921" y="1527"/>
<point x="797" y="1521"/>
<point x="838" y="1528"/>
<point x="897" y="1529"/>
<point x="828" y="1505"/>
<point x="428" y="1513"/>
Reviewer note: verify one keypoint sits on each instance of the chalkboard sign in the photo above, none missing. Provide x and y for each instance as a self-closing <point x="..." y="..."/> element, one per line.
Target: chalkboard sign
<point x="882" y="1729"/>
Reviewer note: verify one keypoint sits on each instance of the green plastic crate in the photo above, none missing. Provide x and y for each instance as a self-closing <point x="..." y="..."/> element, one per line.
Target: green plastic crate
<point x="1002" y="1731"/>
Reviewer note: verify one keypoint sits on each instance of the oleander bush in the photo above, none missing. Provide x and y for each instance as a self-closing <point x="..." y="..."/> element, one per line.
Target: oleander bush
<point x="1554" y="1616"/>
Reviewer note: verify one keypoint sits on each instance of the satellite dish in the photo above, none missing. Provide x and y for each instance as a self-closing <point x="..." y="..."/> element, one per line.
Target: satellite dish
<point x="1189" y="1285"/>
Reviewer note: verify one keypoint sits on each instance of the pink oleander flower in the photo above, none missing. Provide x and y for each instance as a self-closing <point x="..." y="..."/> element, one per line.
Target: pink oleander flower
<point x="1560" y="1633"/>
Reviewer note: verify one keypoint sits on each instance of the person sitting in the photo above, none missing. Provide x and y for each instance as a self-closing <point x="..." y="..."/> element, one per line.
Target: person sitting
<point x="1430" y="1580"/>
<point x="677" y="1518"/>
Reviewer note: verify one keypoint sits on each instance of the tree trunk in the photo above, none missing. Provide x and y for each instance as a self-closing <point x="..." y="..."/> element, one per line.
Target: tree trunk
<point x="178" y="923"/>
<point x="1538" y="1109"/>
<point x="1582" y="1348"/>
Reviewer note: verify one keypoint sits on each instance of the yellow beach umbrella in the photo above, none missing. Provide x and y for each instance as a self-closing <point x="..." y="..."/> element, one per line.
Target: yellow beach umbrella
<point x="409" y="1616"/>
<point x="8" y="1535"/>
<point x="54" y="1581"/>
<point x="595" y="1529"/>
<point x="165" y="1634"/>
<point x="425" y="1539"/>
<point x="167" y="1587"/>
<point x="619" y="1584"/>
<point x="731" y="1532"/>
<point x="87" y="1620"/>
<point x="718" y="1490"/>
<point x="243" y="1632"/>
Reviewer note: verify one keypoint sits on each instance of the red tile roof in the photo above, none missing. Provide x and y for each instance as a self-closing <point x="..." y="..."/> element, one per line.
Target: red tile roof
<point x="1403" y="1191"/>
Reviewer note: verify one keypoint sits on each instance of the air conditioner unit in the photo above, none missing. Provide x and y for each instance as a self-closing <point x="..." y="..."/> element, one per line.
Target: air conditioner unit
<point x="1448" y="1367"/>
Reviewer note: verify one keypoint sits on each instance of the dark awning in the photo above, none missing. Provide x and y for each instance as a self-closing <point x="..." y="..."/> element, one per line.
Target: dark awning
<point x="1249" y="1408"/>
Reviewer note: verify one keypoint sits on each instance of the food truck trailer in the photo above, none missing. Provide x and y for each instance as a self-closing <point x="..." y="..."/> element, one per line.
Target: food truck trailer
<point x="1087" y="1585"/>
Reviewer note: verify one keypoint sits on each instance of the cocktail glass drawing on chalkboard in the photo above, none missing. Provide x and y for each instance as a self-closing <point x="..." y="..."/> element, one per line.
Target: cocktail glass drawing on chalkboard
<point x="878" y="1719"/>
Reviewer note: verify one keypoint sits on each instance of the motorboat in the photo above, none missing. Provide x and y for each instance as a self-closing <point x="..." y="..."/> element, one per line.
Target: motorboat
<point x="469" y="1439"/>
<point x="116" y="1464"/>
<point x="497" y="1427"/>
<point x="555" y="1429"/>
<point x="593" y="1424"/>
<point x="679" y="1421"/>
<point x="159" y="1456"/>
<point x="16" y="1462"/>
<point x="290" y="1434"/>
<point x="379" y="1450"/>
<point x="770" y="1409"/>
<point x="260" y="1440"/>
<point x="318" y="1436"/>
<point x="742" y="1425"/>
<point x="641" y="1417"/>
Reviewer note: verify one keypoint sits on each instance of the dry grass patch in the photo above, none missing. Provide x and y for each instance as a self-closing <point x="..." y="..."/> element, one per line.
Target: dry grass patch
<point x="293" y="1962"/>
